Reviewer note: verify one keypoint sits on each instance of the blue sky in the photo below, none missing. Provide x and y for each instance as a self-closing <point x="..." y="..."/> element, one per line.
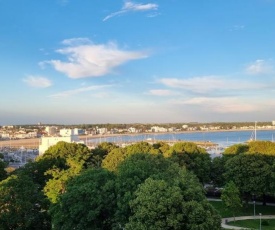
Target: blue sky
<point x="102" y="61"/>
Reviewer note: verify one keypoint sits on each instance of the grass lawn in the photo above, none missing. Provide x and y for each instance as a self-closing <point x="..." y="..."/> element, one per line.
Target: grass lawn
<point x="244" y="211"/>
<point x="254" y="224"/>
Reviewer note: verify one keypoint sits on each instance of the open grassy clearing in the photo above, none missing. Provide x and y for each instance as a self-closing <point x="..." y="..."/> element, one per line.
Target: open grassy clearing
<point x="255" y="224"/>
<point x="246" y="210"/>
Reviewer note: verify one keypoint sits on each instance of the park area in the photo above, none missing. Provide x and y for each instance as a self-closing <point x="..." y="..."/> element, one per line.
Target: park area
<point x="248" y="211"/>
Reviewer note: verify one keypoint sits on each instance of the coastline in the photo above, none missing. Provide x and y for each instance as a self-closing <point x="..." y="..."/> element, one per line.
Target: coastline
<point x="34" y="142"/>
<point x="156" y="133"/>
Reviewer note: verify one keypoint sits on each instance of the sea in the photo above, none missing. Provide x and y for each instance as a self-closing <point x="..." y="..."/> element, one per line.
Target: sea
<point x="223" y="139"/>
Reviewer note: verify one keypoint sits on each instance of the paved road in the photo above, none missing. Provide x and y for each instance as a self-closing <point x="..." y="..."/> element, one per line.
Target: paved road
<point x="230" y="219"/>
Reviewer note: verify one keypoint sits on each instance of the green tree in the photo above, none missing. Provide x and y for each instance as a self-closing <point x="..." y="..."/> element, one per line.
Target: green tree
<point x="250" y="173"/>
<point x="162" y="147"/>
<point x="135" y="169"/>
<point x="194" y="158"/>
<point x="100" y="152"/>
<point x="236" y="149"/>
<point x="262" y="147"/>
<point x="88" y="203"/>
<point x="3" y="173"/>
<point x="162" y="205"/>
<point x="72" y="159"/>
<point x="231" y="197"/>
<point x="65" y="152"/>
<point x="36" y="170"/>
<point x="157" y="206"/>
<point x="140" y="147"/>
<point x="217" y="171"/>
<point x="113" y="159"/>
<point x="118" y="155"/>
<point x="22" y="205"/>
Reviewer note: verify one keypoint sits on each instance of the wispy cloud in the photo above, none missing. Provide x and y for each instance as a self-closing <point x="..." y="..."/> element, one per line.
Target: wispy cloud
<point x="132" y="7"/>
<point x="161" y="92"/>
<point x="63" y="2"/>
<point x="259" y="67"/>
<point x="220" y="104"/>
<point x="237" y="28"/>
<point x="92" y="60"/>
<point x="37" y="81"/>
<point x="68" y="93"/>
<point x="206" y="84"/>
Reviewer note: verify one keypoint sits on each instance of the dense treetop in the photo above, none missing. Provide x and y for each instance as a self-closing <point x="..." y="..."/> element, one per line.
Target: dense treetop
<point x="141" y="186"/>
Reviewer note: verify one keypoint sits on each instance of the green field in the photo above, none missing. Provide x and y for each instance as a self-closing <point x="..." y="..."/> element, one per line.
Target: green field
<point x="247" y="211"/>
<point x="244" y="211"/>
<point x="255" y="224"/>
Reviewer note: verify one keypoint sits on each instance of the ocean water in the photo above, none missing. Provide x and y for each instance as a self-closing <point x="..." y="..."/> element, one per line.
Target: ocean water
<point x="222" y="138"/>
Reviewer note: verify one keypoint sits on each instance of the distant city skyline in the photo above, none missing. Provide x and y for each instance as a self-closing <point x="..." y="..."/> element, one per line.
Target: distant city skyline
<point x="96" y="62"/>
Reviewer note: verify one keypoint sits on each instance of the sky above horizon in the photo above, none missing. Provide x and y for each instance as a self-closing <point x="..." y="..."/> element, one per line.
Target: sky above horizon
<point x="76" y="62"/>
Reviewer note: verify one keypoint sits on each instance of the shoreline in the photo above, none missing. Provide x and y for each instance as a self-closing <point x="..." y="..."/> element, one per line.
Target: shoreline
<point x="156" y="133"/>
<point x="34" y="142"/>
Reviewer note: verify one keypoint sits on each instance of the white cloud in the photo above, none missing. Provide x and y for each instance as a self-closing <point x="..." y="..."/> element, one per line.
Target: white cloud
<point x="128" y="5"/>
<point x="259" y="67"/>
<point x="37" y="81"/>
<point x="161" y="92"/>
<point x="221" y="104"/>
<point x="208" y="84"/>
<point x="132" y="7"/>
<point x="76" y="41"/>
<point x="63" y="2"/>
<point x="91" y="60"/>
<point x="68" y="93"/>
<point x="237" y="27"/>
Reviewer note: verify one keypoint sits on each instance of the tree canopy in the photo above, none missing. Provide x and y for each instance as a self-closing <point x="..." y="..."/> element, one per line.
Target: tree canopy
<point x="194" y="158"/>
<point x="3" y="173"/>
<point x="88" y="203"/>
<point x="250" y="172"/>
<point x="22" y="205"/>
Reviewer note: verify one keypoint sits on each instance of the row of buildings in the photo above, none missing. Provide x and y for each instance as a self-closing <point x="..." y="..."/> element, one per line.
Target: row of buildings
<point x="12" y="132"/>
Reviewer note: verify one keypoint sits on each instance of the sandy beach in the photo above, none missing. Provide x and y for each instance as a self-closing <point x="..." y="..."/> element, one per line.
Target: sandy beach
<point x="32" y="143"/>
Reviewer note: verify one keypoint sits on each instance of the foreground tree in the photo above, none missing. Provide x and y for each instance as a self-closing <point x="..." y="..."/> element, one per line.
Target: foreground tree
<point x="160" y="205"/>
<point x="88" y="203"/>
<point x="194" y="158"/>
<point x="133" y="172"/>
<point x="100" y="152"/>
<point x="217" y="171"/>
<point x="251" y="173"/>
<point x="262" y="147"/>
<point x="71" y="159"/>
<point x="231" y="197"/>
<point x="236" y="149"/>
<point x="22" y="205"/>
<point x="118" y="155"/>
<point x="113" y="159"/>
<point x="3" y="173"/>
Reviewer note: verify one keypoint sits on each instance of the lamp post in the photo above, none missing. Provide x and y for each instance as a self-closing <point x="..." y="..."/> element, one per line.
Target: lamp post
<point x="260" y="221"/>
<point x="254" y="208"/>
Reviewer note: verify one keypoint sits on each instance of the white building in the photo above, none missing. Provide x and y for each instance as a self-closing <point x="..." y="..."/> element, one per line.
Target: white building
<point x="132" y="130"/>
<point x="273" y="122"/>
<point x="157" y="129"/>
<point x="51" y="130"/>
<point x="67" y="135"/>
<point x="101" y="130"/>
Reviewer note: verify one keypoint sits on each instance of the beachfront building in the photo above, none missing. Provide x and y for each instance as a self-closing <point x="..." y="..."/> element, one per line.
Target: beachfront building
<point x="157" y="129"/>
<point x="132" y="130"/>
<point x="101" y="130"/>
<point x="67" y="135"/>
<point x="51" y="130"/>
